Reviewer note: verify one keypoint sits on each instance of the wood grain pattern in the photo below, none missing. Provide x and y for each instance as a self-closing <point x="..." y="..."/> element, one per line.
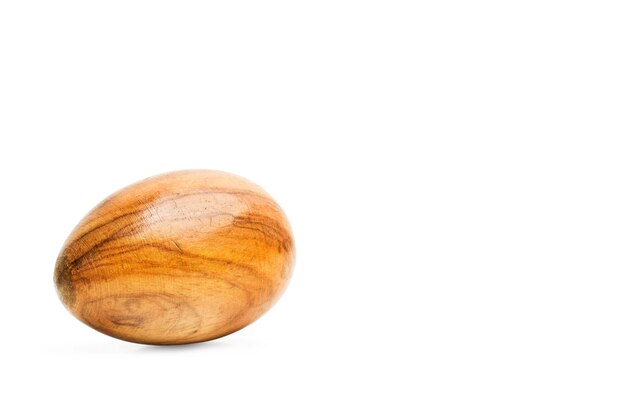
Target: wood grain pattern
<point x="178" y="258"/>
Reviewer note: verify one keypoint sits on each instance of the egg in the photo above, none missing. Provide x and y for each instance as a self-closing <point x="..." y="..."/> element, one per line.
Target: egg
<point x="182" y="257"/>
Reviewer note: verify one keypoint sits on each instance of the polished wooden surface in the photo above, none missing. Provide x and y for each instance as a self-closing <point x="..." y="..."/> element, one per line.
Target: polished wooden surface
<point x="178" y="258"/>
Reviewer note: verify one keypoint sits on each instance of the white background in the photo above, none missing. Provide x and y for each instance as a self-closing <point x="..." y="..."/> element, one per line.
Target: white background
<point x="454" y="173"/>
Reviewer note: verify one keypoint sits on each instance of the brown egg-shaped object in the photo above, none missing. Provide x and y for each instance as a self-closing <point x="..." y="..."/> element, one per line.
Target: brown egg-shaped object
<point x="177" y="258"/>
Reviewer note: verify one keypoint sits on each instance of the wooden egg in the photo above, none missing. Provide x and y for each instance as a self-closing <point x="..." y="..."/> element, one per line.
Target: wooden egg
<point x="177" y="258"/>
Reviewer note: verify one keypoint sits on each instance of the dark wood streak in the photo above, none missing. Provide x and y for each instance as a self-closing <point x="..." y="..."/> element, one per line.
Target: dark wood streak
<point x="174" y="271"/>
<point x="64" y="282"/>
<point x="226" y="259"/>
<point x="101" y="252"/>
